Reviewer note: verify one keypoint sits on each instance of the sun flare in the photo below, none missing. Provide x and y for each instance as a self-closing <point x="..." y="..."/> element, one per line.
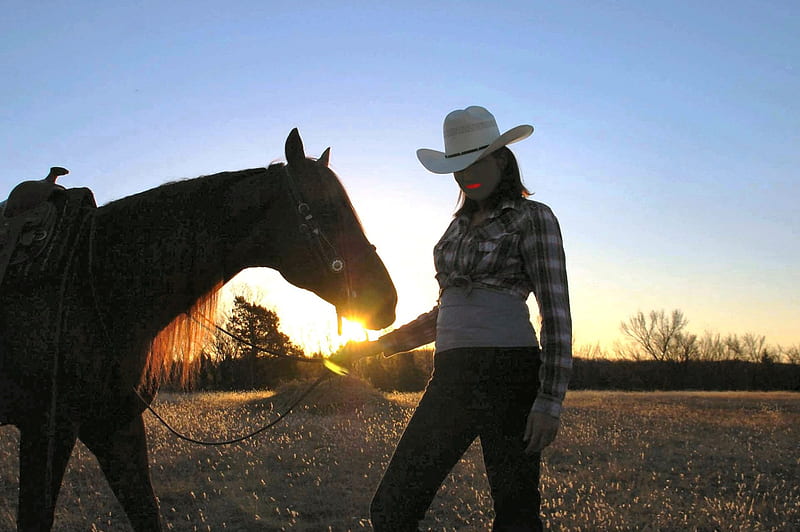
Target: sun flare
<point x="353" y="331"/>
<point x="309" y="321"/>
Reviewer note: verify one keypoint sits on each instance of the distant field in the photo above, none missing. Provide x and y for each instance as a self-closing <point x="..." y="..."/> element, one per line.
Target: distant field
<point x="624" y="461"/>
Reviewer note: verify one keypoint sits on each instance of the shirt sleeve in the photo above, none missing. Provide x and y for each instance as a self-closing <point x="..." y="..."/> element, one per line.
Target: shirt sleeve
<point x="543" y="253"/>
<point x="413" y="334"/>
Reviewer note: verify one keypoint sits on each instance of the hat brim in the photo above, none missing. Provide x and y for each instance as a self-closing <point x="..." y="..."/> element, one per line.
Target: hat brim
<point x="436" y="161"/>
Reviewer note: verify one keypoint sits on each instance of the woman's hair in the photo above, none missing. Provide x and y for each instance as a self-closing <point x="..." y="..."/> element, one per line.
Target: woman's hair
<point x="509" y="187"/>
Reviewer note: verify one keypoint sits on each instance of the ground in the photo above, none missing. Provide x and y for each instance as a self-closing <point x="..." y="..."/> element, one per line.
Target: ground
<point x="623" y="461"/>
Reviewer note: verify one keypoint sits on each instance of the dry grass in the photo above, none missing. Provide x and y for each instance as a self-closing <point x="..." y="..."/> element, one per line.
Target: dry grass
<point x="624" y="461"/>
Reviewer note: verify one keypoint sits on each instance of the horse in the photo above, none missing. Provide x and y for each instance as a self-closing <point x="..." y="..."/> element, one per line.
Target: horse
<point x="78" y="349"/>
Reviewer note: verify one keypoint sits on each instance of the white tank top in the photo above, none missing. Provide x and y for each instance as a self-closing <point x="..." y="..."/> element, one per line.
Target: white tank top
<point x="479" y="317"/>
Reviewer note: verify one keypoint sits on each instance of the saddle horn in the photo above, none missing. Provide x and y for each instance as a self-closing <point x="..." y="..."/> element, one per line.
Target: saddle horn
<point x="29" y="194"/>
<point x="55" y="173"/>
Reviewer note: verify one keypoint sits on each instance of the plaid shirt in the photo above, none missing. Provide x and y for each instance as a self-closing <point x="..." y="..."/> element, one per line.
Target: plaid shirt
<point x="516" y="250"/>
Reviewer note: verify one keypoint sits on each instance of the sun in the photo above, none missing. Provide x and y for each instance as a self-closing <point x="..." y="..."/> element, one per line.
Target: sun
<point x="353" y="331"/>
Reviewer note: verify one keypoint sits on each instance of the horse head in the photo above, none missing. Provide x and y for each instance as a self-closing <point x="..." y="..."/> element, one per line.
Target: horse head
<point x="321" y="245"/>
<point x="334" y="260"/>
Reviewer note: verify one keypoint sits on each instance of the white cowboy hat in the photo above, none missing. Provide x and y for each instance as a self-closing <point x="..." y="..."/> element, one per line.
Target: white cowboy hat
<point x="469" y="135"/>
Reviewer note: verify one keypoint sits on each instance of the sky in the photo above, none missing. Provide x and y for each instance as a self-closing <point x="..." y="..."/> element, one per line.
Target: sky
<point x="666" y="133"/>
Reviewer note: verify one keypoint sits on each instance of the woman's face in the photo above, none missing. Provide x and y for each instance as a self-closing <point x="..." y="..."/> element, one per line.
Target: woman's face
<point x="479" y="180"/>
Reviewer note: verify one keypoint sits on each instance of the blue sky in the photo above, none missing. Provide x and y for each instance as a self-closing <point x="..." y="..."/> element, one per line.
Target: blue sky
<point x="666" y="132"/>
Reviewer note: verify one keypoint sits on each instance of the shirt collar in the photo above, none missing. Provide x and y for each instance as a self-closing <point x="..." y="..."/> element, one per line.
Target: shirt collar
<point x="503" y="205"/>
<point x="513" y="204"/>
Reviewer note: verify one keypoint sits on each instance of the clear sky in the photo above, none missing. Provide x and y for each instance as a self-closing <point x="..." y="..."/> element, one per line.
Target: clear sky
<point x="667" y="133"/>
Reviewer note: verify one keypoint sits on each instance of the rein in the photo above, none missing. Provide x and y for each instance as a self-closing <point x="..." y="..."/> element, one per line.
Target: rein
<point x="325" y="377"/>
<point x="322" y="378"/>
<point x="269" y="425"/>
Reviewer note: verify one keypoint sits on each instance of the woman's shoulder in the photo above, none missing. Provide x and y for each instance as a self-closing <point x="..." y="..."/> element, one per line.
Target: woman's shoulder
<point x="534" y="208"/>
<point x="538" y="218"/>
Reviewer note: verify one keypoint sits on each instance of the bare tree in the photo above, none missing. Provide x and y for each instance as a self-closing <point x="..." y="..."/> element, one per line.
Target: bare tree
<point x="712" y="347"/>
<point x="754" y="348"/>
<point x="686" y="347"/>
<point x="627" y="351"/>
<point x="735" y="347"/>
<point x="791" y="354"/>
<point x="589" y="352"/>
<point x="659" y="336"/>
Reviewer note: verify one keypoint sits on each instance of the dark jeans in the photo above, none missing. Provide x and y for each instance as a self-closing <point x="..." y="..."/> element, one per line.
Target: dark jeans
<point x="478" y="392"/>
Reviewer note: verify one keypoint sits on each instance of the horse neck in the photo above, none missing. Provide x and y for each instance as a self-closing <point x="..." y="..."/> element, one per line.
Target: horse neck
<point x="160" y="251"/>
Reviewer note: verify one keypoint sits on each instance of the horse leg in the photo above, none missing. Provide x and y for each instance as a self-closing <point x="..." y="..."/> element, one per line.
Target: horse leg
<point x="15" y="404"/>
<point x="7" y="400"/>
<point x="123" y="458"/>
<point x="37" y="496"/>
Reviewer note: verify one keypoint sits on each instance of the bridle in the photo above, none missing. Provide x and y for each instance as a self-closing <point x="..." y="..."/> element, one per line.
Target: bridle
<point x="309" y="227"/>
<point x="327" y="253"/>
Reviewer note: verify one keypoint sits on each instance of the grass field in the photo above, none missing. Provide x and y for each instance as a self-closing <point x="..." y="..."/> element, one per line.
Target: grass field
<point x="623" y="461"/>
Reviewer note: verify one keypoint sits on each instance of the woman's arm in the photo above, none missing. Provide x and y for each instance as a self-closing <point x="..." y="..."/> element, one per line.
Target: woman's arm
<point x="413" y="334"/>
<point x="543" y="252"/>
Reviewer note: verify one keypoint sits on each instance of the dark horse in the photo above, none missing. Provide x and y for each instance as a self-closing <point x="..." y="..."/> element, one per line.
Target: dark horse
<point x="75" y="350"/>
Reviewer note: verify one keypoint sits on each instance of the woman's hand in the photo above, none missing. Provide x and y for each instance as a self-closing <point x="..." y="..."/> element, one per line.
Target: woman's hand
<point x="540" y="431"/>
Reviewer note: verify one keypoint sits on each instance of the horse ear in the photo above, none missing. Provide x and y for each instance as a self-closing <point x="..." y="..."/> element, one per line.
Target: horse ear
<point x="325" y="157"/>
<point x="295" y="154"/>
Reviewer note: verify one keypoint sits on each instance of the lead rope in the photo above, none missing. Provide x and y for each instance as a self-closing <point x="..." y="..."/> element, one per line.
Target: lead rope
<point x="322" y="378"/>
<point x="269" y="425"/>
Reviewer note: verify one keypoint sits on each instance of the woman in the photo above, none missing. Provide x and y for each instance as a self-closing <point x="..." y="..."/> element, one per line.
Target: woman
<point x="491" y="378"/>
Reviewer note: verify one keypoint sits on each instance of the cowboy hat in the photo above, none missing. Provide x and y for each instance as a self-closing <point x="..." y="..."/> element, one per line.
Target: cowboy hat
<point x="469" y="135"/>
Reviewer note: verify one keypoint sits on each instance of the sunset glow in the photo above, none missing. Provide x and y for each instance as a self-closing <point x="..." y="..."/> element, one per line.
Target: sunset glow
<point x="665" y="140"/>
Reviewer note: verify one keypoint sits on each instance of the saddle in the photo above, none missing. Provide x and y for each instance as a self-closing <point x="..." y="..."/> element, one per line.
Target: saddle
<point x="36" y="216"/>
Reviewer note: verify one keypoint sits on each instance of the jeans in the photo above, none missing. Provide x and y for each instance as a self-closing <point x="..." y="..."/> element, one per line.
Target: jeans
<point x="474" y="392"/>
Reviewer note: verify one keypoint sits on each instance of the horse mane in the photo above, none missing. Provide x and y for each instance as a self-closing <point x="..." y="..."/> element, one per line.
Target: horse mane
<point x="174" y="353"/>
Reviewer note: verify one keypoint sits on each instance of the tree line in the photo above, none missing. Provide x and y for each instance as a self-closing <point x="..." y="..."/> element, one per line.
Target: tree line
<point x="664" y="337"/>
<point x="657" y="352"/>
